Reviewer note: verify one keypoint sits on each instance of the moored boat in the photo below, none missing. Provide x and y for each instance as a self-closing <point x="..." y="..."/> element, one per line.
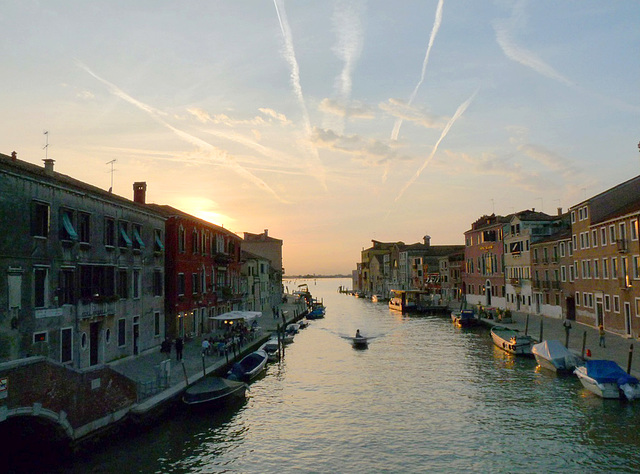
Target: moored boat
<point x="606" y="379"/>
<point x="511" y="341"/>
<point x="464" y="319"/>
<point x="552" y="355"/>
<point x="271" y="348"/>
<point x="214" y="391"/>
<point x="249" y="367"/>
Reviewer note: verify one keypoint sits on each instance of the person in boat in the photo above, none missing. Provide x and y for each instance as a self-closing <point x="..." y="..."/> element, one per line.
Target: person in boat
<point x="358" y="335"/>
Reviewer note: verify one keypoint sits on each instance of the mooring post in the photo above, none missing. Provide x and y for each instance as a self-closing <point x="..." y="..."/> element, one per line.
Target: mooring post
<point x="186" y="379"/>
<point x="584" y="342"/>
<point x="204" y="372"/>
<point x="526" y="325"/>
<point x="630" y="358"/>
<point x="541" y="330"/>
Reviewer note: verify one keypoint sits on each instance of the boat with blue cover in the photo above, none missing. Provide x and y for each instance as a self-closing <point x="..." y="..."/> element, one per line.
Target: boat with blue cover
<point x="606" y="379"/>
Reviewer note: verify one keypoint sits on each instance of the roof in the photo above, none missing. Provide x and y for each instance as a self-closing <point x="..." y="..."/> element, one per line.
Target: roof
<point x="169" y="212"/>
<point x="20" y="167"/>
<point x="264" y="237"/>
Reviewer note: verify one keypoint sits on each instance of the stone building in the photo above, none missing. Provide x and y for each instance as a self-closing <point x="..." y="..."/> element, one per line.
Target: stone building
<point x="81" y="269"/>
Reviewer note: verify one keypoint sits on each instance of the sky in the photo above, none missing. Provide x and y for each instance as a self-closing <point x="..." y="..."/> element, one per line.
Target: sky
<point x="329" y="123"/>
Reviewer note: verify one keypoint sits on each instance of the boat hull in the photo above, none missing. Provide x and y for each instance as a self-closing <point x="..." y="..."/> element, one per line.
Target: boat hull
<point x="249" y="367"/>
<point x="213" y="392"/>
<point x="510" y="341"/>
<point x="360" y="342"/>
<point x="604" y="390"/>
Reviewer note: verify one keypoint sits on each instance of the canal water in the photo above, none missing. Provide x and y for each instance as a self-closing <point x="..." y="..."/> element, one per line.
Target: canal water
<point x="424" y="396"/>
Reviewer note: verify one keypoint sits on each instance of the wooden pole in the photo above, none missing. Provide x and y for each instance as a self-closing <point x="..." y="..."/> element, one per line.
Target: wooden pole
<point x="186" y="379"/>
<point x="541" y="329"/>
<point x="204" y="372"/>
<point x="526" y="326"/>
<point x="584" y="343"/>
<point x="630" y="358"/>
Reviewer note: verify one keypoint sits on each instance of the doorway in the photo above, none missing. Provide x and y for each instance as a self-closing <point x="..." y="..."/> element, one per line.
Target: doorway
<point x="488" y="292"/>
<point x="94" y="340"/>
<point x="136" y="334"/>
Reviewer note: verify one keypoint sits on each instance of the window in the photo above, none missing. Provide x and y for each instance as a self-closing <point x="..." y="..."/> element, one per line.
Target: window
<point x="624" y="270"/>
<point x="40" y="219"/>
<point x="122" y="334"/>
<point x="562" y="249"/>
<point x="158" y="246"/>
<point x="563" y="273"/>
<point x="636" y="267"/>
<point x="614" y="267"/>
<point x="39" y="337"/>
<point x="96" y="280"/>
<point x="596" y="269"/>
<point x="41" y="286"/>
<point x="66" y="283"/>
<point x="123" y="288"/>
<point x="181" y="284"/>
<point x="157" y="283"/>
<point x="181" y="240"/>
<point x="67" y="230"/>
<point x="156" y="323"/>
<point x="124" y="241"/>
<point x="623" y="231"/>
<point x="637" y="307"/>
<point x="603" y="236"/>
<point x="194" y="241"/>
<point x="109" y="232"/>
<point x="66" y="345"/>
<point x="194" y="283"/>
<point x="594" y="238"/>
<point x="138" y="243"/>
<point x="607" y="303"/>
<point x="573" y="217"/>
<point x="136" y="283"/>
<point x="616" y="304"/>
<point x="605" y="268"/>
<point x="577" y="298"/>
<point x="634" y="229"/>
<point x="574" y="238"/>
<point x="84" y="227"/>
<point x="590" y="295"/>
<point x="585" y="301"/>
<point x="612" y="234"/>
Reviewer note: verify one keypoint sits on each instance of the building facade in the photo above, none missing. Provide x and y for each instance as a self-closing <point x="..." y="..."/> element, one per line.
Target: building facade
<point x="81" y="269"/>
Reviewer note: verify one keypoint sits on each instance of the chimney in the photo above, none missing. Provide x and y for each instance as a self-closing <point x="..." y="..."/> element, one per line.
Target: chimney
<point x="14" y="156"/>
<point x="48" y="165"/>
<point x="140" y="192"/>
<point x="266" y="232"/>
<point x="559" y="211"/>
<point x="427" y="240"/>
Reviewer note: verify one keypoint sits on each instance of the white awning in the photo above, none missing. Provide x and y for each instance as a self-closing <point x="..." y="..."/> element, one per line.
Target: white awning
<point x="234" y="315"/>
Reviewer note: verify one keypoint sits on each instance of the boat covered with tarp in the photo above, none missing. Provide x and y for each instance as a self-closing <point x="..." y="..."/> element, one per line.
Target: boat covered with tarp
<point x="552" y="355"/>
<point x="214" y="391"/>
<point x="607" y="379"/>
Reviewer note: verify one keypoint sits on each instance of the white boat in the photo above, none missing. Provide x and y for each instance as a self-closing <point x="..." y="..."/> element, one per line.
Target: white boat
<point x="303" y="323"/>
<point x="511" y="341"/>
<point x="552" y="355"/>
<point x="214" y="391"/>
<point x="293" y="328"/>
<point x="271" y="348"/>
<point x="606" y="379"/>
<point x="249" y="367"/>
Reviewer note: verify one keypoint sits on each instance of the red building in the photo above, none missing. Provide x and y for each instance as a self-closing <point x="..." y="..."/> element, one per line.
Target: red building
<point x="202" y="270"/>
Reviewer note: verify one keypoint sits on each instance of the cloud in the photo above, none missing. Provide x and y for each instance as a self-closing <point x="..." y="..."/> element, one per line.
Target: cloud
<point x="459" y="111"/>
<point x="550" y="159"/>
<point x="86" y="95"/>
<point x="273" y="114"/>
<point x="369" y="152"/>
<point x="215" y="154"/>
<point x="222" y="119"/>
<point x="504" y="30"/>
<point x="434" y="31"/>
<point x="403" y="110"/>
<point x="352" y="110"/>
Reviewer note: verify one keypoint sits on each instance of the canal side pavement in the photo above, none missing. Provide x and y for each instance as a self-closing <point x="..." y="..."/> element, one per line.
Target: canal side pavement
<point x="146" y="368"/>
<point x="617" y="347"/>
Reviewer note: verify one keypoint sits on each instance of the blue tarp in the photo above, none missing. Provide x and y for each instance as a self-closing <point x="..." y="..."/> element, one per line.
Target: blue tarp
<point x="607" y="371"/>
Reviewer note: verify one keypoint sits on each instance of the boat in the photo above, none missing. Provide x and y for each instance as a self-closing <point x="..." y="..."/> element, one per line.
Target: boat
<point x="303" y="323"/>
<point x="400" y="301"/>
<point x="606" y="379"/>
<point x="375" y="298"/>
<point x="360" y="342"/>
<point x="511" y="341"/>
<point x="214" y="391"/>
<point x="271" y="348"/>
<point x="317" y="311"/>
<point x="464" y="319"/>
<point x="293" y="328"/>
<point x="552" y="355"/>
<point x="249" y="367"/>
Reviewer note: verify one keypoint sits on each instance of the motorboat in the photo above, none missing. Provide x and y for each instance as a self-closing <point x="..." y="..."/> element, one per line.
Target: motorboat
<point x="376" y="298"/>
<point x="249" y="367"/>
<point x="511" y="341"/>
<point x="293" y="328"/>
<point x="464" y="319"/>
<point x="303" y="323"/>
<point x="360" y="342"/>
<point x="317" y="310"/>
<point x="214" y="391"/>
<point x="552" y="355"/>
<point x="606" y="379"/>
<point x="271" y="348"/>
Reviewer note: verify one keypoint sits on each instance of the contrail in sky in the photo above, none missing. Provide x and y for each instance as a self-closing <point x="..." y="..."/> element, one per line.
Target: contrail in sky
<point x="446" y="129"/>
<point x="220" y="156"/>
<point x="434" y="32"/>
<point x="290" y="56"/>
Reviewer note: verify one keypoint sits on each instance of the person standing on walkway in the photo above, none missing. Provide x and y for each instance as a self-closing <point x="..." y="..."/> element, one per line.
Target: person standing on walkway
<point x="179" y="347"/>
<point x="602" y="333"/>
<point x="205" y="346"/>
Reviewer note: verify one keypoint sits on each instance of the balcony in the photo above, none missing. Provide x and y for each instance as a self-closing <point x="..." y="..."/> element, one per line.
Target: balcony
<point x="622" y="245"/>
<point x="515" y="281"/>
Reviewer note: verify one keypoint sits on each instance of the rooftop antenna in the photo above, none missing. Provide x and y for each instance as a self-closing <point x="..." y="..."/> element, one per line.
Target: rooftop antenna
<point x="112" y="170"/>
<point x="46" y="146"/>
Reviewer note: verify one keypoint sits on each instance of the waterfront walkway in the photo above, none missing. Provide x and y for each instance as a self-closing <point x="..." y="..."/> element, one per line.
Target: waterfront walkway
<point x="617" y="347"/>
<point x="152" y="369"/>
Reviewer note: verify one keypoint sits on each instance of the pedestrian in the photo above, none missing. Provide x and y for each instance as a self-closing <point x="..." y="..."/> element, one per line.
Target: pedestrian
<point x="179" y="347"/>
<point x="205" y="346"/>
<point x="602" y="333"/>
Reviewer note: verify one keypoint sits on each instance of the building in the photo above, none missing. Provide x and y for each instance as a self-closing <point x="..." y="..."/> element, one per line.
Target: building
<point x="81" y="269"/>
<point x="270" y="248"/>
<point x="483" y="278"/>
<point x="202" y="276"/>
<point x="256" y="284"/>
<point x="606" y="259"/>
<point x="546" y="267"/>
